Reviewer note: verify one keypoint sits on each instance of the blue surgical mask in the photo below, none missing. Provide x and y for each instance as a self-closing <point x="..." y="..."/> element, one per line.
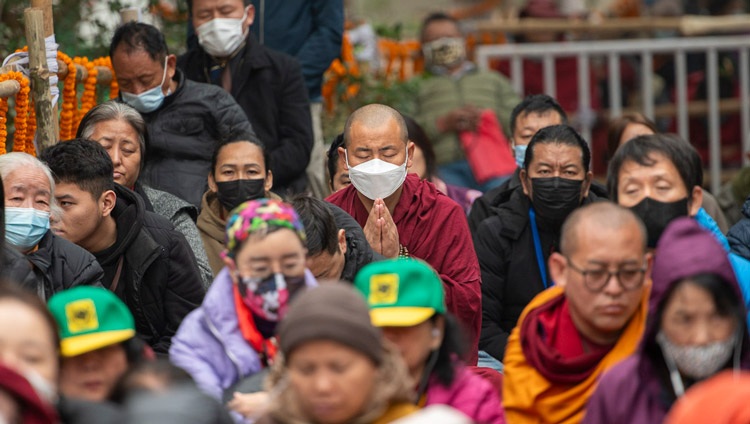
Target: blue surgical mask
<point x="24" y="227"/>
<point x="519" y="151"/>
<point x="149" y="100"/>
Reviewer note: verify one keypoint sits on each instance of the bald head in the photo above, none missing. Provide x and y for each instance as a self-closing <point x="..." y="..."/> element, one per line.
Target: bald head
<point x="375" y="116"/>
<point x="597" y="217"/>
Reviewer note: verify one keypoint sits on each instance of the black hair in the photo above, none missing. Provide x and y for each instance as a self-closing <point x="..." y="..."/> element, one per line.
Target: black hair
<point x="420" y="139"/>
<point x="452" y="347"/>
<point x="617" y="127"/>
<point x="190" y="6"/>
<point x="436" y="17"/>
<point x="82" y="162"/>
<point x="558" y="134"/>
<point x="321" y="232"/>
<point x="642" y="149"/>
<point x="240" y="136"/>
<point x="539" y="104"/>
<point x="136" y="36"/>
<point x="161" y="368"/>
<point x="333" y="156"/>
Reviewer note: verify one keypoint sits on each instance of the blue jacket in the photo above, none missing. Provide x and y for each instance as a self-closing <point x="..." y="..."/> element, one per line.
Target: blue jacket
<point x="741" y="265"/>
<point x="209" y="344"/>
<point x="310" y="30"/>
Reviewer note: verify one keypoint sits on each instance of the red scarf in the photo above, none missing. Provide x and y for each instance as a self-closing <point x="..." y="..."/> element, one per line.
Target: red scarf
<point x="266" y="348"/>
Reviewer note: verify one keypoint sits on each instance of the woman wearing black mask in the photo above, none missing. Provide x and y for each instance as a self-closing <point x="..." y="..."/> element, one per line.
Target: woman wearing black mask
<point x="239" y="172"/>
<point x="513" y="246"/>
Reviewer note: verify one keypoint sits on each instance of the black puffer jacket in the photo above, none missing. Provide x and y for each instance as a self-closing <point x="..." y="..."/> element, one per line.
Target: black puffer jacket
<point x="739" y="235"/>
<point x="271" y="90"/>
<point x="60" y="264"/>
<point x="358" y="250"/>
<point x="160" y="281"/>
<point x="510" y="273"/>
<point x="183" y="134"/>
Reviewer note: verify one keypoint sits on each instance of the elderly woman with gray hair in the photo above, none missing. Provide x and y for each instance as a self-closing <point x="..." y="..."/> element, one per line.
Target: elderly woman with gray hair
<point x="121" y="130"/>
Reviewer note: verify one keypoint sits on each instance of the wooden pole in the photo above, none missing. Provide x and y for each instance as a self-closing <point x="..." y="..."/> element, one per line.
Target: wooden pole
<point x="46" y="133"/>
<point x="129" y="14"/>
<point x="49" y="30"/>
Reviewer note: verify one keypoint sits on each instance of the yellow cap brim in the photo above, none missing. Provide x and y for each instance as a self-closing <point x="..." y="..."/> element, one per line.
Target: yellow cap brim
<point x="78" y="345"/>
<point x="400" y="316"/>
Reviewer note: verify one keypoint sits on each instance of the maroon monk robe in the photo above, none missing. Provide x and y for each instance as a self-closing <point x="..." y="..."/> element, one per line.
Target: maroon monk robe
<point x="434" y="228"/>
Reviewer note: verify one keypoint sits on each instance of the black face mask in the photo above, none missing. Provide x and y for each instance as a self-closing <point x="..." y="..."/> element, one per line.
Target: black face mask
<point x="657" y="215"/>
<point x="554" y="198"/>
<point x="232" y="193"/>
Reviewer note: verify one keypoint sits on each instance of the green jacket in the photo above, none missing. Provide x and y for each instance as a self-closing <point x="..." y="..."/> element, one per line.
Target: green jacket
<point x="439" y="95"/>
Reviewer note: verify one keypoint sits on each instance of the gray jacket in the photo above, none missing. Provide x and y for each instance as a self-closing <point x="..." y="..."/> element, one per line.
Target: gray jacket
<point x="182" y="215"/>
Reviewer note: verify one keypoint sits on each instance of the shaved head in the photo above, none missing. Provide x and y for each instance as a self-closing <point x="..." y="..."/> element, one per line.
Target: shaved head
<point x="375" y="116"/>
<point x="596" y="217"/>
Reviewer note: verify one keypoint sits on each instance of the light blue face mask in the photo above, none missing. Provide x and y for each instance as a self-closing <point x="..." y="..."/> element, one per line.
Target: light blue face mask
<point x="24" y="227"/>
<point x="519" y="151"/>
<point x="149" y="100"/>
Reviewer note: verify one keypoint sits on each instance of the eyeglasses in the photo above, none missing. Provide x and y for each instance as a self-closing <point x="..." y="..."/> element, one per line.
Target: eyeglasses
<point x="596" y="279"/>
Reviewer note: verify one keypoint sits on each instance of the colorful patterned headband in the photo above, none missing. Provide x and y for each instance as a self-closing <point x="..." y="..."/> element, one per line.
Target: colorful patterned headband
<point x="259" y="216"/>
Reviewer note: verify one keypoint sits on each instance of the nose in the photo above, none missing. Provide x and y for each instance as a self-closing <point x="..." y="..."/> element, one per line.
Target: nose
<point x="115" y="155"/>
<point x="702" y="334"/>
<point x="10" y="359"/>
<point x="90" y="361"/>
<point x="613" y="286"/>
<point x="323" y="383"/>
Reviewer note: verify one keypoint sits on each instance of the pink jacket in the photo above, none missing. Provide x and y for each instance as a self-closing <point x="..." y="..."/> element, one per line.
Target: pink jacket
<point x="470" y="394"/>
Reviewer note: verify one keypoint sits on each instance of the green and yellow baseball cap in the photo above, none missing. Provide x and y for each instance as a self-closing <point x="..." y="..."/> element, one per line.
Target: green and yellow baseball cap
<point x="401" y="292"/>
<point x="90" y="318"/>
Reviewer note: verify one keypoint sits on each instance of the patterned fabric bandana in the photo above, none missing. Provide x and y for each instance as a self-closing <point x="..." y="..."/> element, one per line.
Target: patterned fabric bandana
<point x="258" y="217"/>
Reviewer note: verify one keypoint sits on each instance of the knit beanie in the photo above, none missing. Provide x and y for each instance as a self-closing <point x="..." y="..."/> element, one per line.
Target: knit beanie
<point x="335" y="312"/>
<point x="260" y="216"/>
<point x="684" y="250"/>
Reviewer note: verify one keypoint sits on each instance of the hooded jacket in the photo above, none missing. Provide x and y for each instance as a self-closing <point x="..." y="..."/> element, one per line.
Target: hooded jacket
<point x="739" y="235"/>
<point x="510" y="273"/>
<point x="183" y="134"/>
<point x="209" y="344"/>
<point x="269" y="87"/>
<point x="159" y="281"/>
<point x="469" y="393"/>
<point x="59" y="265"/>
<point x="639" y="389"/>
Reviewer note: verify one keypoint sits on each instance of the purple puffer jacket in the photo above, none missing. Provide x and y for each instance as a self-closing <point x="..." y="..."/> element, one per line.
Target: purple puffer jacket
<point x="209" y="344"/>
<point x="471" y="394"/>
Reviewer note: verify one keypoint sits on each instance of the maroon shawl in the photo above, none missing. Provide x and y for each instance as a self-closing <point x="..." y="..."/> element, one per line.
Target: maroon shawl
<point x="433" y="227"/>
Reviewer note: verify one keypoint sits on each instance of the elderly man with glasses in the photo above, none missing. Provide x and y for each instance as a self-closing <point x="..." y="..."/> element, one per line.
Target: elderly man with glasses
<point x="591" y="319"/>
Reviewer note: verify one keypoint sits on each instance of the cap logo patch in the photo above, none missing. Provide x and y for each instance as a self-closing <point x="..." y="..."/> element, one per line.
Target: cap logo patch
<point x="383" y="289"/>
<point x="81" y="316"/>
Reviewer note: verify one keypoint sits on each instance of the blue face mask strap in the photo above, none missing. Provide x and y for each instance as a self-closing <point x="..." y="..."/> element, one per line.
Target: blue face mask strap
<point x="538" y="247"/>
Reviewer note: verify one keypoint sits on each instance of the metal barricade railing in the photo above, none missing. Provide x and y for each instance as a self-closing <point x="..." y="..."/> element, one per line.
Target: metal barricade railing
<point x="645" y="49"/>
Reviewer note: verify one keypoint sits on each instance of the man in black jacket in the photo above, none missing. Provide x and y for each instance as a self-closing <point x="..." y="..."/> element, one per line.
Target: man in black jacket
<point x="55" y="263"/>
<point x="267" y="84"/>
<point x="146" y="262"/>
<point x="186" y="120"/>
<point x="513" y="245"/>
<point x="532" y="114"/>
<point x="336" y="245"/>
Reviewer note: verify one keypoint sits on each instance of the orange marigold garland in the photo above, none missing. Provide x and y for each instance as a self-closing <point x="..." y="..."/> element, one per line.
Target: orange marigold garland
<point x="3" y="123"/>
<point x="22" y="114"/>
<point x="69" y="98"/>
<point x="88" y="98"/>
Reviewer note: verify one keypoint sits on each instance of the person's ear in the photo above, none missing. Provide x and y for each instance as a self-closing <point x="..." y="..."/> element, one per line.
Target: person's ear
<point x="231" y="266"/>
<point x="524" y="183"/>
<point x="410" y="146"/>
<point x="695" y="201"/>
<point x="268" y="185"/>
<point x="649" y="267"/>
<point x="342" y="240"/>
<point x="557" y="265"/>
<point x="250" y="17"/>
<point x="171" y="68"/>
<point x="586" y="184"/>
<point x="212" y="183"/>
<point x="107" y="202"/>
<point x="438" y="333"/>
<point x="342" y="158"/>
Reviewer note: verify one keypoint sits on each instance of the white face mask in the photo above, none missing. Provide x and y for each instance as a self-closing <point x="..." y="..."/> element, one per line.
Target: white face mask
<point x="220" y="37"/>
<point x="376" y="179"/>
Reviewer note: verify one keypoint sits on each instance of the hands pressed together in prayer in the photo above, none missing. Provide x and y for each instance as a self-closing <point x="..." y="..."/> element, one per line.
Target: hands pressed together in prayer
<point x="381" y="231"/>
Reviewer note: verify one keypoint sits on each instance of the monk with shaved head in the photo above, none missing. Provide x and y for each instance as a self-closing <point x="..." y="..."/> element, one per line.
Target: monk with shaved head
<point x="402" y="215"/>
<point x="591" y="319"/>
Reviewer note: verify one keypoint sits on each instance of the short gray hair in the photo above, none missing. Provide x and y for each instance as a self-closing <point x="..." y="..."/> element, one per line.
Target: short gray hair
<point x="114" y="110"/>
<point x="12" y="161"/>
